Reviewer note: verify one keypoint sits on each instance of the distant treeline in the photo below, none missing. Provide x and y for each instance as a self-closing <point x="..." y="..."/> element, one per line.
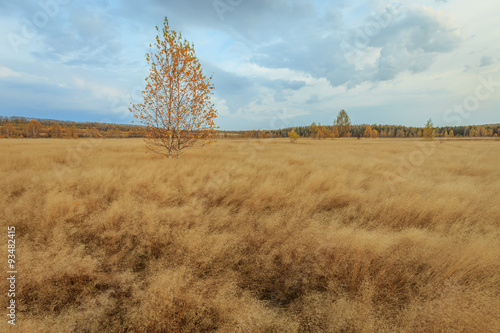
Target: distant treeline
<point x="384" y="131"/>
<point x="21" y="127"/>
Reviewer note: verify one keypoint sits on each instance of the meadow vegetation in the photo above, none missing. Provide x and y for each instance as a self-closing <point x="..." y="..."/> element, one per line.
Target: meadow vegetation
<point x="254" y="236"/>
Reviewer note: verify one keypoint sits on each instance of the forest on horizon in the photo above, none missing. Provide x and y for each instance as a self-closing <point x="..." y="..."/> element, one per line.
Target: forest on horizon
<point x="19" y="127"/>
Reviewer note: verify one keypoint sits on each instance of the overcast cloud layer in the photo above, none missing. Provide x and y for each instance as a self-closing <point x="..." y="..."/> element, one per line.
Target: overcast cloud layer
<point x="275" y="63"/>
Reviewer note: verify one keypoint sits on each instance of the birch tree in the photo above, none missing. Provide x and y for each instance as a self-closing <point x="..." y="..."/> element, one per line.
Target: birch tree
<point x="176" y="109"/>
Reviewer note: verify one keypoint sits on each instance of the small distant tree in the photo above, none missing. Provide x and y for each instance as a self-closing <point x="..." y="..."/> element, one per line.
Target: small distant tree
<point x="56" y="130"/>
<point x="115" y="132"/>
<point x="374" y="134"/>
<point x="335" y="132"/>
<point x="9" y="130"/>
<point x="368" y="131"/>
<point x="94" y="132"/>
<point x="482" y="131"/>
<point x="293" y="136"/>
<point x="34" y="129"/>
<point x="73" y="132"/>
<point x="321" y="132"/>
<point x="451" y="134"/>
<point x="328" y="132"/>
<point x="343" y="124"/>
<point x="428" y="133"/>
<point x="177" y="108"/>
<point x="313" y="130"/>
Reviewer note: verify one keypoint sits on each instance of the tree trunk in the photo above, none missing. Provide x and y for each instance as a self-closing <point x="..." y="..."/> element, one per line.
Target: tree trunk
<point x="178" y="144"/>
<point x="170" y="144"/>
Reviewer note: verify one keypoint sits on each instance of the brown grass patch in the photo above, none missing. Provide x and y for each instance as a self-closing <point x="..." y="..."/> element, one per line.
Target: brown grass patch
<point x="254" y="236"/>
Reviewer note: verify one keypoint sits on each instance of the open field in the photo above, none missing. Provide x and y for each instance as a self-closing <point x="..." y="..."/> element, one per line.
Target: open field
<point x="371" y="235"/>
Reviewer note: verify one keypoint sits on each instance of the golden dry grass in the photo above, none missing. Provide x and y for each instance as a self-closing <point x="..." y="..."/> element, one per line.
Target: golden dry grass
<point x="254" y="236"/>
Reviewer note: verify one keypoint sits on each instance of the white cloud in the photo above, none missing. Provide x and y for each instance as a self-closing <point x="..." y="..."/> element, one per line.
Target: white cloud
<point x="13" y="76"/>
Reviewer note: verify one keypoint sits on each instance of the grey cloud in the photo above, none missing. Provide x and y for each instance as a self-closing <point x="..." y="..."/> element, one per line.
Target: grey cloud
<point x="280" y="96"/>
<point x="283" y="88"/>
<point x="394" y="60"/>
<point x="74" y="33"/>
<point x="415" y="29"/>
<point x="486" y="61"/>
<point x="243" y="18"/>
<point x="314" y="98"/>
<point x="294" y="85"/>
<point x="281" y="34"/>
<point x="282" y="84"/>
<point x="239" y="90"/>
<point x="410" y="42"/>
<point x="235" y="89"/>
<point x="22" y="8"/>
<point x="88" y="36"/>
<point x="227" y="82"/>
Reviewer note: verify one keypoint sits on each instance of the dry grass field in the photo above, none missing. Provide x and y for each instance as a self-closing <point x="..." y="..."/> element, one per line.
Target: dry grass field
<point x="346" y="235"/>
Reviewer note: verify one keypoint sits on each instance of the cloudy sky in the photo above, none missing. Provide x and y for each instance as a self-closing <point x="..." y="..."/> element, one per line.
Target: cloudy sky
<point x="275" y="63"/>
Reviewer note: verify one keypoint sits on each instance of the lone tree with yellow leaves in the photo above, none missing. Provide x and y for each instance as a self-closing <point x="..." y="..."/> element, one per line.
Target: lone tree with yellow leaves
<point x="177" y="109"/>
<point x="429" y="130"/>
<point x="293" y="136"/>
<point x="342" y="123"/>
